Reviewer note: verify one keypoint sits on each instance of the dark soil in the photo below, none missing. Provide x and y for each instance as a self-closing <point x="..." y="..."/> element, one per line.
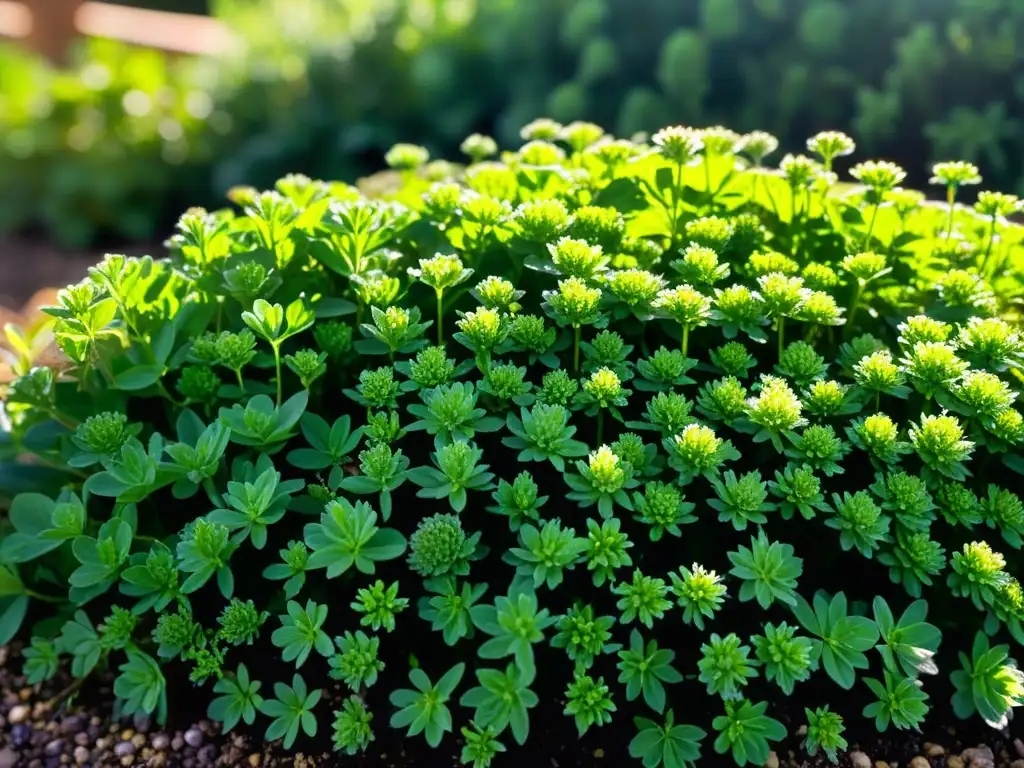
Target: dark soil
<point x="29" y="264"/>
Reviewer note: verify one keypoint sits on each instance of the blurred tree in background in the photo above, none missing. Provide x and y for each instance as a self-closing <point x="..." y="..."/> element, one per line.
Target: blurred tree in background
<point x="324" y="87"/>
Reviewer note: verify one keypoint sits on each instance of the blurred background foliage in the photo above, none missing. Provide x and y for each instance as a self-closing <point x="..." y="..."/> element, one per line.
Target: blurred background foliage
<point x="119" y="143"/>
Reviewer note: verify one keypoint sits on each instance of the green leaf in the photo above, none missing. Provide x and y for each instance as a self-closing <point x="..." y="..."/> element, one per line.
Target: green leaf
<point x="12" y="613"/>
<point x="139" y="377"/>
<point x="10" y="583"/>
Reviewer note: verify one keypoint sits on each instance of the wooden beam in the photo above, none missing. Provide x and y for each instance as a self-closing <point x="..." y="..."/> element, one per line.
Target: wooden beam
<point x="175" y="32"/>
<point x="49" y="27"/>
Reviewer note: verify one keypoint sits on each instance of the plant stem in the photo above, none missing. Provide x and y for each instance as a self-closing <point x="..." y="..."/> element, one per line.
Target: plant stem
<point x="277" y="366"/>
<point x="686" y="340"/>
<point x="440" y="314"/>
<point x="771" y="199"/>
<point x="61" y="419"/>
<point x="782" y="335"/>
<point x="40" y="596"/>
<point x="600" y="427"/>
<point x="871" y="225"/>
<point x="163" y="391"/>
<point x="241" y="382"/>
<point x="676" y="197"/>
<point x="707" y="183"/>
<point x="212" y="492"/>
<point x="950" y="197"/>
<point x="68" y="691"/>
<point x="577" y="332"/>
<point x="854" y="305"/>
<point x="878" y="399"/>
<point x="988" y="248"/>
<point x="41" y="459"/>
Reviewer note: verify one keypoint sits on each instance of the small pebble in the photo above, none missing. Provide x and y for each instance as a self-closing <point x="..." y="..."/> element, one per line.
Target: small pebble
<point x="54" y="748"/>
<point x="18" y="714"/>
<point x="20" y="734"/>
<point x="979" y="757"/>
<point x="124" y="749"/>
<point x="8" y="758"/>
<point x="772" y="761"/>
<point x="860" y="760"/>
<point x="254" y="760"/>
<point x="141" y="721"/>
<point x="194" y="738"/>
<point x="919" y="762"/>
<point x="1019" y="746"/>
<point x="81" y="755"/>
<point x="82" y="739"/>
<point x="933" y="750"/>
<point x="177" y="743"/>
<point x="160" y="742"/>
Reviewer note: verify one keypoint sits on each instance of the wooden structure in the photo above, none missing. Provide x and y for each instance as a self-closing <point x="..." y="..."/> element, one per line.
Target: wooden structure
<point x="49" y="26"/>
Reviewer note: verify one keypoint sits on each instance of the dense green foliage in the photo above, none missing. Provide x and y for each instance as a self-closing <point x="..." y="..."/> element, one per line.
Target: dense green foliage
<point x="777" y="413"/>
<point x="916" y="81"/>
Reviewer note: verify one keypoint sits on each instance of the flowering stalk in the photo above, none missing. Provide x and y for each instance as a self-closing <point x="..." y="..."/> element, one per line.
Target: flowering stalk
<point x="440" y="316"/>
<point x="988" y="246"/>
<point x="677" y="196"/>
<point x="952" y="175"/>
<point x="277" y="369"/>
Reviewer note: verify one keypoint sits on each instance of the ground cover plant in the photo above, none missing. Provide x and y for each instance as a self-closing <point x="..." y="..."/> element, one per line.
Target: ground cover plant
<point x="674" y="448"/>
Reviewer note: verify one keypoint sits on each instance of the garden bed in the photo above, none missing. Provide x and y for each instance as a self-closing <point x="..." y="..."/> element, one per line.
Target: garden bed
<point x="588" y="477"/>
<point x="42" y="727"/>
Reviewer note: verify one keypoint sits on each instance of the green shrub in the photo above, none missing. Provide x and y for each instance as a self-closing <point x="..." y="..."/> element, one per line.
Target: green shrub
<point x="101" y="147"/>
<point x="917" y="84"/>
<point x="722" y="487"/>
<point x="327" y="88"/>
